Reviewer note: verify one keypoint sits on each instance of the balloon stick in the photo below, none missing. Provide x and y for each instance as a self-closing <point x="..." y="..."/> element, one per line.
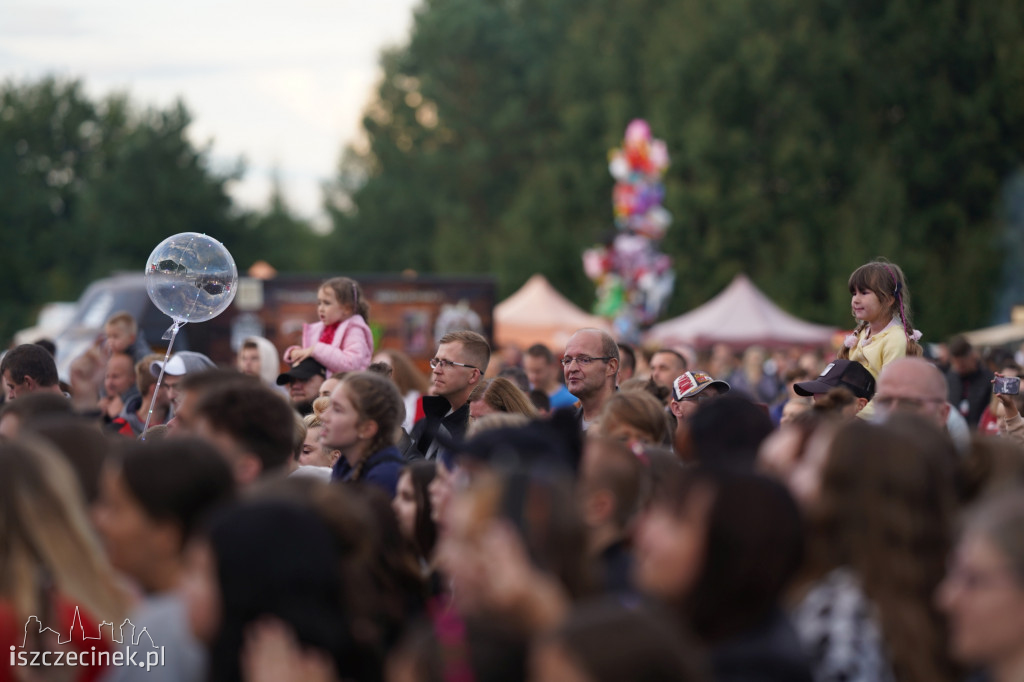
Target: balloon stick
<point x="173" y="331"/>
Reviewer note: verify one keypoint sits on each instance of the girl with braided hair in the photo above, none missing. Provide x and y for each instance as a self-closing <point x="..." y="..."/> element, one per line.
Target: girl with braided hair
<point x="881" y="305"/>
<point x="363" y="422"/>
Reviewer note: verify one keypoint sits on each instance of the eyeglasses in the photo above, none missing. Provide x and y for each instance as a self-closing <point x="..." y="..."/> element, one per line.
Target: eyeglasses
<point x="445" y="364"/>
<point x="582" y="360"/>
<point x="889" y="401"/>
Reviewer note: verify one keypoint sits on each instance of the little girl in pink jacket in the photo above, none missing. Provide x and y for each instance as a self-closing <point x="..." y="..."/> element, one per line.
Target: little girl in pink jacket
<point x="341" y="341"/>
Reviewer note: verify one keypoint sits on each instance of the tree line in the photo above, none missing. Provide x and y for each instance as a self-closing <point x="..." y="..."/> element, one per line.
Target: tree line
<point x="806" y="138"/>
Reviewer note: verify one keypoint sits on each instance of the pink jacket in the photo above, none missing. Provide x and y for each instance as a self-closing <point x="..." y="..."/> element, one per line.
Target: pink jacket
<point x="349" y="351"/>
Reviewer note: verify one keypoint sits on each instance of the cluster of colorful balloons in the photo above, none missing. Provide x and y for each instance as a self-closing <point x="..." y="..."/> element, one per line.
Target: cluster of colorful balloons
<point x="634" y="279"/>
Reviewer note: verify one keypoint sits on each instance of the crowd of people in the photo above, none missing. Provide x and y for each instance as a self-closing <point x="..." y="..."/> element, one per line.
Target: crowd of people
<point x="588" y="514"/>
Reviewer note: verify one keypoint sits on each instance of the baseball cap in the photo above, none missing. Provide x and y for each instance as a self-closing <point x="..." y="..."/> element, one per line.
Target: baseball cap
<point x="690" y="384"/>
<point x="181" y="363"/>
<point x="305" y="370"/>
<point x="848" y="374"/>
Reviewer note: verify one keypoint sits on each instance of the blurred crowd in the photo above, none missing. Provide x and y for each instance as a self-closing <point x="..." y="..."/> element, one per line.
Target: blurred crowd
<point x="598" y="513"/>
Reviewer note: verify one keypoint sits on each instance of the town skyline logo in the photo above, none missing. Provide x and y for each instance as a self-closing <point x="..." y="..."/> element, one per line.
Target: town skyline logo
<point x="121" y="646"/>
<point x="116" y="636"/>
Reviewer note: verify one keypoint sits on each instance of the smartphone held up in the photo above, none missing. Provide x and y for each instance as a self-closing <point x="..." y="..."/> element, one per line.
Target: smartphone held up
<point x="1006" y="385"/>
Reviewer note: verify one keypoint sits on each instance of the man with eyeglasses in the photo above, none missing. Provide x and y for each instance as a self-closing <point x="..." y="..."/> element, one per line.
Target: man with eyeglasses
<point x="591" y="365"/>
<point x="457" y="368"/>
<point x="912" y="385"/>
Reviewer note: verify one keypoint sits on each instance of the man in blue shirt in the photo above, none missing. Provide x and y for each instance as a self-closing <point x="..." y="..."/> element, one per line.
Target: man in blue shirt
<point x="544" y="372"/>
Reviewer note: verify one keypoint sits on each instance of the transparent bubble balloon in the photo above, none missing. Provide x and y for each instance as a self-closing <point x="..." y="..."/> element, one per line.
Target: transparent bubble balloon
<point x="191" y="277"/>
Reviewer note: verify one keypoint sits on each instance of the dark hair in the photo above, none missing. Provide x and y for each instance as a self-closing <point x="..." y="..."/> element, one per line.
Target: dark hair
<point x="80" y="439"/>
<point x="382" y="587"/>
<point x="540" y="400"/>
<point x="517" y="375"/>
<point x="48" y="345"/>
<point x="679" y="356"/>
<point x="885" y="510"/>
<point x="960" y="346"/>
<point x="36" y="405"/>
<point x="887" y="282"/>
<point x="727" y="431"/>
<point x="542" y="508"/>
<point x="278" y="558"/>
<point x="180" y="480"/>
<point x="611" y="642"/>
<point x="749" y="558"/>
<point x="627" y="356"/>
<point x="30" y="360"/>
<point x="257" y="417"/>
<point x="421" y="473"/>
<point x="539" y="350"/>
<point x="381" y="368"/>
<point x="348" y="292"/>
<point x="795" y="374"/>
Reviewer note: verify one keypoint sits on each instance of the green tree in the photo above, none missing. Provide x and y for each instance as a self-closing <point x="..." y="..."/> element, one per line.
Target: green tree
<point x="285" y="240"/>
<point x="89" y="187"/>
<point x="806" y="139"/>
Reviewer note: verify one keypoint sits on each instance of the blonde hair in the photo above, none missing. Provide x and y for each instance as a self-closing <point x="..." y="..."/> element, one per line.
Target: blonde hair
<point x="124" y="319"/>
<point x="45" y="537"/>
<point x="503" y="396"/>
<point x="474" y="346"/>
<point x="320" y="406"/>
<point x="143" y="377"/>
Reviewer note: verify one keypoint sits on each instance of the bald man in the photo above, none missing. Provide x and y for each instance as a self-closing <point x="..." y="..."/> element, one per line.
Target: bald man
<point x="591" y="365"/>
<point x="913" y="385"/>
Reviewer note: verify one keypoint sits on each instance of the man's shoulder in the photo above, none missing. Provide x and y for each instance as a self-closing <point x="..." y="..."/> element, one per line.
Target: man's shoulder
<point x="435" y="406"/>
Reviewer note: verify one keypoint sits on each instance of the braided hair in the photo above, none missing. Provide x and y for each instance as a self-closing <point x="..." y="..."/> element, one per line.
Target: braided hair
<point x="888" y="283"/>
<point x="376" y="399"/>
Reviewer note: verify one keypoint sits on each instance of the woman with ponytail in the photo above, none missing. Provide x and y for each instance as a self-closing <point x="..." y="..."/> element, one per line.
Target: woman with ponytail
<point x="363" y="422"/>
<point x="884" y="332"/>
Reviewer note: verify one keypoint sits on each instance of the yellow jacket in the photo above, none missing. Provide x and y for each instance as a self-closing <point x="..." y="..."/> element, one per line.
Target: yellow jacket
<point x="882" y="348"/>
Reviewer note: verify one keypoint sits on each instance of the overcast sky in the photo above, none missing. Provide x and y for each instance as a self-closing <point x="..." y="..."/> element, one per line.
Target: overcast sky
<point x="281" y="83"/>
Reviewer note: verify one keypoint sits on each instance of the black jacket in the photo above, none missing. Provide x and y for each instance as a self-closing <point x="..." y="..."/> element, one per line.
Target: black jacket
<point x="768" y="652"/>
<point x="975" y="388"/>
<point x="424" y="441"/>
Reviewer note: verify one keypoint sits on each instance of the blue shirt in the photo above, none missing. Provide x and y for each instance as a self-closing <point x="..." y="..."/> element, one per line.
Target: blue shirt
<point x="562" y="398"/>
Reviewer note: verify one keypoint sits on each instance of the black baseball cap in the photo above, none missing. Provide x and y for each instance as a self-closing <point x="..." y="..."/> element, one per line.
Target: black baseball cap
<point x="303" y="371"/>
<point x="848" y="374"/>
